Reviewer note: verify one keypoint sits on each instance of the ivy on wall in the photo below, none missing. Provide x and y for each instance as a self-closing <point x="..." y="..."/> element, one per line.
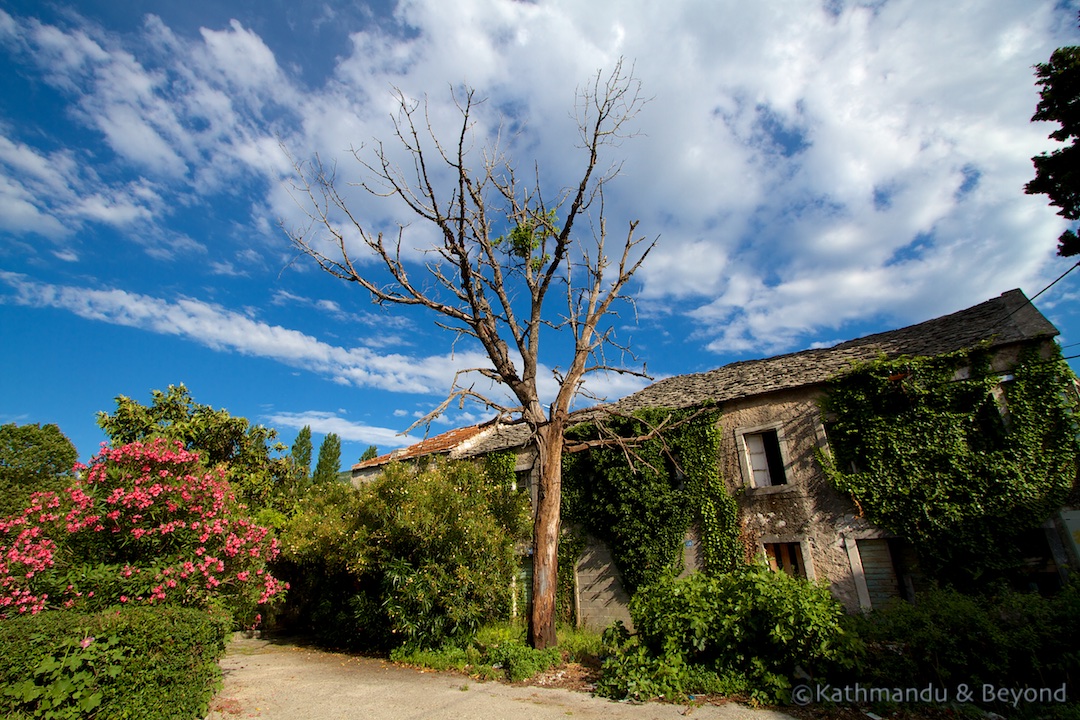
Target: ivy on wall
<point x="953" y="457"/>
<point x="500" y="466"/>
<point x="643" y="502"/>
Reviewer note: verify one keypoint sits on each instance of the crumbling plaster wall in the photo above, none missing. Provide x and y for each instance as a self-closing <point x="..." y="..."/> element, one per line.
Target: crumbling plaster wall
<point x="807" y="510"/>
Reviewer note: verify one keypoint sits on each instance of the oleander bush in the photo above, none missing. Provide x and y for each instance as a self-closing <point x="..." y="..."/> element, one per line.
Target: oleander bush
<point x="144" y="523"/>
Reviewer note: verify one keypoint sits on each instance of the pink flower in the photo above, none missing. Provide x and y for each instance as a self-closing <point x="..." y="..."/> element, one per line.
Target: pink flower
<point x="177" y="520"/>
<point x="86" y="642"/>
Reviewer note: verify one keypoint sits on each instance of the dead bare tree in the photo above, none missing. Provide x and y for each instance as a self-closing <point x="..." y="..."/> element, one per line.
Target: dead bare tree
<point x="492" y="287"/>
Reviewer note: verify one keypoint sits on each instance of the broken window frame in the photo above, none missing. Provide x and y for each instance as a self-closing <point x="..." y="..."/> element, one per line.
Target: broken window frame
<point x="774" y="450"/>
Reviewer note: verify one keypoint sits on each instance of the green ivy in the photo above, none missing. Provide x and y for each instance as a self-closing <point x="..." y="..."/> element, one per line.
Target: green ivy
<point x="500" y="467"/>
<point x="929" y="453"/>
<point x="643" y="502"/>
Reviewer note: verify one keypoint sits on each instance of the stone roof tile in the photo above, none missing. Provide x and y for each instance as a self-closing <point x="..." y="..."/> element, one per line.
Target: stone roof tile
<point x="1008" y="319"/>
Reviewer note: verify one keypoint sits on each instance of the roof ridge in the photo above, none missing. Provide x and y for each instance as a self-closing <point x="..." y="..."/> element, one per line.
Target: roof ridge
<point x="1006" y="319"/>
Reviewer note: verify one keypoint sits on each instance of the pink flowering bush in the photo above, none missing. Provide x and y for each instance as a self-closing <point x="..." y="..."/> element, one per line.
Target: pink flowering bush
<point x="144" y="523"/>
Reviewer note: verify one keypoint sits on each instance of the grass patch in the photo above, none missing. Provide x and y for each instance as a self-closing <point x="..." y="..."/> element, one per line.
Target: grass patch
<point x="501" y="652"/>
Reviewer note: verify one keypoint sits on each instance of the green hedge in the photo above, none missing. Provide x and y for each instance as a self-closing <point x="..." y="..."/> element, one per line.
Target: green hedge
<point x="143" y="663"/>
<point x="747" y="631"/>
<point x="1007" y="640"/>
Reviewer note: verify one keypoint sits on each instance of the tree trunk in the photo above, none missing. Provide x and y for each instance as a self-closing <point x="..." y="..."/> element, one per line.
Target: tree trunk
<point x="549" y="441"/>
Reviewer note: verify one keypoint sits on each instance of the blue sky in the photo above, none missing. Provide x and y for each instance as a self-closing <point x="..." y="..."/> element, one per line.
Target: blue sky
<point x="814" y="173"/>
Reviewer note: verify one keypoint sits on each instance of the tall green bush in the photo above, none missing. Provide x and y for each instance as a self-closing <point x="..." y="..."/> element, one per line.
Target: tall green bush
<point x="744" y="631"/>
<point x="415" y="558"/>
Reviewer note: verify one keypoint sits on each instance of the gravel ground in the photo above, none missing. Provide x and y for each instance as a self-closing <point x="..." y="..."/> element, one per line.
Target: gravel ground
<point x="280" y="681"/>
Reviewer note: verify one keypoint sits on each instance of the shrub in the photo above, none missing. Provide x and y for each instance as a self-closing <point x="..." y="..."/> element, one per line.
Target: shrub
<point x="415" y="558"/>
<point x="749" y="629"/>
<point x="632" y="671"/>
<point x="944" y="638"/>
<point x="520" y="661"/>
<point x="146" y="523"/>
<point x="154" y="663"/>
<point x="496" y="651"/>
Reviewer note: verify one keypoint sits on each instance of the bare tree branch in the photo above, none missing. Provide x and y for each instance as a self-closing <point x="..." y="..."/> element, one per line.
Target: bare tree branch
<point x="492" y="288"/>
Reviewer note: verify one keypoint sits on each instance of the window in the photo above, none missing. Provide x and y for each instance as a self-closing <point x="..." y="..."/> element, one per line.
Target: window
<point x="1000" y="395"/>
<point x="764" y="459"/>
<point x="521" y="480"/>
<point x="786" y="556"/>
<point x="829" y="434"/>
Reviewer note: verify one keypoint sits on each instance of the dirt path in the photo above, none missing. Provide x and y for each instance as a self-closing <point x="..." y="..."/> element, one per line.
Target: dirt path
<point x="284" y="682"/>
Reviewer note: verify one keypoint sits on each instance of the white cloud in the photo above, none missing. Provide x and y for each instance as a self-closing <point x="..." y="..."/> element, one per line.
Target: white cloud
<point x="19" y="213"/>
<point x="322" y="423"/>
<point x="51" y="173"/>
<point x="226" y="268"/>
<point x="805" y="169"/>
<point x="56" y="196"/>
<point x="226" y="330"/>
<point x="111" y="210"/>
<point x="243" y="57"/>
<point x="807" y="165"/>
<point x="394" y="329"/>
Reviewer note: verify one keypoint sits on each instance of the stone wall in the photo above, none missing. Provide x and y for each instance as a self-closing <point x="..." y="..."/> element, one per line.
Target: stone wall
<point x="601" y="597"/>
<point x="805" y="515"/>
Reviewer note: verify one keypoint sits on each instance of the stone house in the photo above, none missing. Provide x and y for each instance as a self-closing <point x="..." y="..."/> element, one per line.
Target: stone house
<point x="772" y="426"/>
<point x="450" y="444"/>
<point x="458" y="444"/>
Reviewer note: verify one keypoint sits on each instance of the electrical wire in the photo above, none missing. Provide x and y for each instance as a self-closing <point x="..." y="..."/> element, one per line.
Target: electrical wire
<point x="1031" y="300"/>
